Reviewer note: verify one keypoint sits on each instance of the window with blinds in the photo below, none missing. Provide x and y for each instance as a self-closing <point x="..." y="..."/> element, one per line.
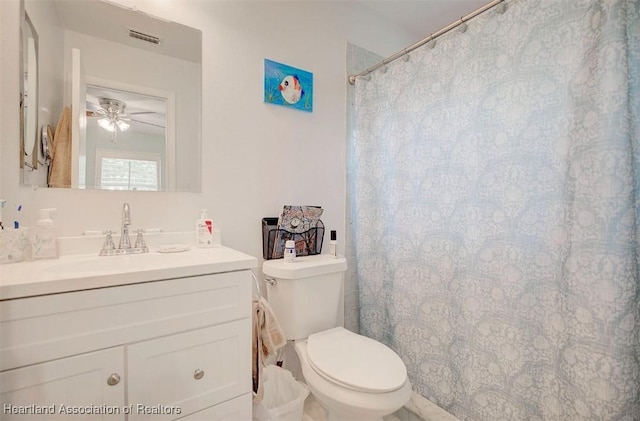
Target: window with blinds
<point x="128" y="172"/>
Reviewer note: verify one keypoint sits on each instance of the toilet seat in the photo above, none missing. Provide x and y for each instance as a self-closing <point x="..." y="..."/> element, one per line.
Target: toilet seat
<point x="355" y="362"/>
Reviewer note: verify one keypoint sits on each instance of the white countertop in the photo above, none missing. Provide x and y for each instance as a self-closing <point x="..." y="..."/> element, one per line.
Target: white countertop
<point x="81" y="272"/>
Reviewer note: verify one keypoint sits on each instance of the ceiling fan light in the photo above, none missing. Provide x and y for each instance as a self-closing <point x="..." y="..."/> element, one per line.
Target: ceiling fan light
<point x="107" y="124"/>
<point x="122" y="125"/>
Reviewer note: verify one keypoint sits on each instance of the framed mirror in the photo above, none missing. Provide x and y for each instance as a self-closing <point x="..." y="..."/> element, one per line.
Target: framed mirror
<point x="28" y="94"/>
<point x="138" y="76"/>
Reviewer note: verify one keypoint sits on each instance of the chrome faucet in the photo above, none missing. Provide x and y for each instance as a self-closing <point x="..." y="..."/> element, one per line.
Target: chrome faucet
<point x="124" y="247"/>
<point x="125" y="242"/>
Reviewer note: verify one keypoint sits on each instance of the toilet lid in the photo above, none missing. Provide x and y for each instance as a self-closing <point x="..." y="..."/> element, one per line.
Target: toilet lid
<point x="356" y="361"/>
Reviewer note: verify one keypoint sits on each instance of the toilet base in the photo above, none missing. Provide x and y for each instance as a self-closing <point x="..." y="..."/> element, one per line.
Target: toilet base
<point x="314" y="411"/>
<point x="332" y="414"/>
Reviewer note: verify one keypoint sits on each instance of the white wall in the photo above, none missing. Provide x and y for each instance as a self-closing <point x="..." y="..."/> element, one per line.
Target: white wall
<point x="256" y="157"/>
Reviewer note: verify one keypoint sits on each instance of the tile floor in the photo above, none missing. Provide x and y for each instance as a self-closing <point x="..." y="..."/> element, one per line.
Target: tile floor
<point x="418" y="409"/>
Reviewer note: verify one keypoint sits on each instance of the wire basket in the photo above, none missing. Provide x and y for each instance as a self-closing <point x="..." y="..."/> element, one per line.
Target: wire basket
<point x="273" y="239"/>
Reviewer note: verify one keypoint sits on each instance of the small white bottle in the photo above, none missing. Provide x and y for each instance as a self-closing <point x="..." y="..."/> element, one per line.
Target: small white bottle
<point x="333" y="245"/>
<point x="44" y="244"/>
<point x="204" y="230"/>
<point x="290" y="251"/>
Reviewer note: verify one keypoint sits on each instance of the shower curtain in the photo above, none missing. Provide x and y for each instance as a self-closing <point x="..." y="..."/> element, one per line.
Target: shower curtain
<point x="495" y="199"/>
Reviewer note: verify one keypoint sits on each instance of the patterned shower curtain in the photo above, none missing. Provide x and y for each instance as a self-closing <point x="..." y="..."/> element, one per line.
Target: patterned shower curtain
<point x="496" y="209"/>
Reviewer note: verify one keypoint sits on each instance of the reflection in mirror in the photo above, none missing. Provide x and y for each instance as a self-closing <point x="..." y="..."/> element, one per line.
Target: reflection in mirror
<point x="119" y="61"/>
<point x="47" y="135"/>
<point x="29" y="94"/>
<point x="126" y="142"/>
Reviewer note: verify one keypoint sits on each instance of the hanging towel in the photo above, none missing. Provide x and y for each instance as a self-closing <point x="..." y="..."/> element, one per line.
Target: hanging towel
<point x="268" y="337"/>
<point x="60" y="169"/>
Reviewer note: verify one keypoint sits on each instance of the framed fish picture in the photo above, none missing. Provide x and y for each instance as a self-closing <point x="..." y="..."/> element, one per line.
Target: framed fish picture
<point x="287" y="86"/>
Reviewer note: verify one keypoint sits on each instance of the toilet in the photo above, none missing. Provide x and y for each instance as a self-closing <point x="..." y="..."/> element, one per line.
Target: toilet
<point x="353" y="377"/>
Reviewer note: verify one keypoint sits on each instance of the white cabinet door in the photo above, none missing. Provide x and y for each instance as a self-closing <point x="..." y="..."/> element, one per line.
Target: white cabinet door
<point x="180" y="374"/>
<point x="84" y="387"/>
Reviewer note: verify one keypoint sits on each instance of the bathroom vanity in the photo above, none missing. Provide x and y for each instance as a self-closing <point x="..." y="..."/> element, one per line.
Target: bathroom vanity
<point x="154" y="336"/>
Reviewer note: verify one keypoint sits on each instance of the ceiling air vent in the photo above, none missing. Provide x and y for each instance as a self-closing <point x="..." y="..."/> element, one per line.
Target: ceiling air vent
<point x="144" y="37"/>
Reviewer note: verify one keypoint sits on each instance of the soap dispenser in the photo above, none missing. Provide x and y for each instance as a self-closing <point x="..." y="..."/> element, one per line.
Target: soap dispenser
<point x="44" y="244"/>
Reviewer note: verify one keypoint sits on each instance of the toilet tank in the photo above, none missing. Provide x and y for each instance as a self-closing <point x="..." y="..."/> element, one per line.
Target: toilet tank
<point x="307" y="295"/>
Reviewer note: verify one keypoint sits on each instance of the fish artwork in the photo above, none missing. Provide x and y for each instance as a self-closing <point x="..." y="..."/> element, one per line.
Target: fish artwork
<point x="287" y="86"/>
<point x="290" y="89"/>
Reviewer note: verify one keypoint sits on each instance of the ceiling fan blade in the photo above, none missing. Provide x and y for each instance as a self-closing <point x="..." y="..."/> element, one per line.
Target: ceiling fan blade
<point x="149" y="124"/>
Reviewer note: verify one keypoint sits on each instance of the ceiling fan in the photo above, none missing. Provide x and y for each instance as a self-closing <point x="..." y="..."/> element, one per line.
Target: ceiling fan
<point x="112" y="117"/>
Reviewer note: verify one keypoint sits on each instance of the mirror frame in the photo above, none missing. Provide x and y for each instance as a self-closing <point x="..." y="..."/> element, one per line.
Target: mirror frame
<point x="28" y="100"/>
<point x="182" y="174"/>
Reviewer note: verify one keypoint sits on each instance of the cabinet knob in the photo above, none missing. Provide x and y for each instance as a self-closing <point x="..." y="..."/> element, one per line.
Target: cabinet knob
<point x="113" y="379"/>
<point x="198" y="374"/>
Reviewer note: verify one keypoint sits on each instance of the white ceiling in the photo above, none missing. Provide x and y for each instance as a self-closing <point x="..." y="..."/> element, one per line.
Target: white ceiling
<point x="112" y="22"/>
<point x="423" y="17"/>
<point x="419" y="17"/>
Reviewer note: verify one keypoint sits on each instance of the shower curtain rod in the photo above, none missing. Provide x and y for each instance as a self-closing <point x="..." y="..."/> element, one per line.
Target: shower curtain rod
<point x="433" y="36"/>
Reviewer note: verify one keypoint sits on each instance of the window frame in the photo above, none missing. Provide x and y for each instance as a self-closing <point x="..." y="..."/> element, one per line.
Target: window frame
<point x="127" y="155"/>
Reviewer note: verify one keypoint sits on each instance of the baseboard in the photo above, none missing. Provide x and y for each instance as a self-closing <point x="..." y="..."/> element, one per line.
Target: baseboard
<point x="420" y="408"/>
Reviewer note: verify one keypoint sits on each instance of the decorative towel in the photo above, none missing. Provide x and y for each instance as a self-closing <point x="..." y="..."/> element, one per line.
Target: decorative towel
<point x="60" y="169"/>
<point x="268" y="337"/>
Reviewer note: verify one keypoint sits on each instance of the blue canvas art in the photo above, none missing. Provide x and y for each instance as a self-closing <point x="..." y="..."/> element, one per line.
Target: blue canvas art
<point x="287" y="86"/>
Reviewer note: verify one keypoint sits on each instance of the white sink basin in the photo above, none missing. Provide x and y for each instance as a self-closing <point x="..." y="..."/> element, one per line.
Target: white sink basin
<point x="101" y="264"/>
<point x="81" y="272"/>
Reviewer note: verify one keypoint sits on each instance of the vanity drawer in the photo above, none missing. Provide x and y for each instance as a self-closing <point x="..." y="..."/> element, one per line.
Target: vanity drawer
<point x="58" y="390"/>
<point x="236" y="409"/>
<point x="190" y="370"/>
<point x="44" y="328"/>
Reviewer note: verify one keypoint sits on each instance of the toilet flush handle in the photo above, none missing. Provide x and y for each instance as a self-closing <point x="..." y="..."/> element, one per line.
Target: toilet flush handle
<point x="271" y="281"/>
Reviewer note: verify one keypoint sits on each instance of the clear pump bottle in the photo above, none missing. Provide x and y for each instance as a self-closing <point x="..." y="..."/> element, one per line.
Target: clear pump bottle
<point x="44" y="243"/>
